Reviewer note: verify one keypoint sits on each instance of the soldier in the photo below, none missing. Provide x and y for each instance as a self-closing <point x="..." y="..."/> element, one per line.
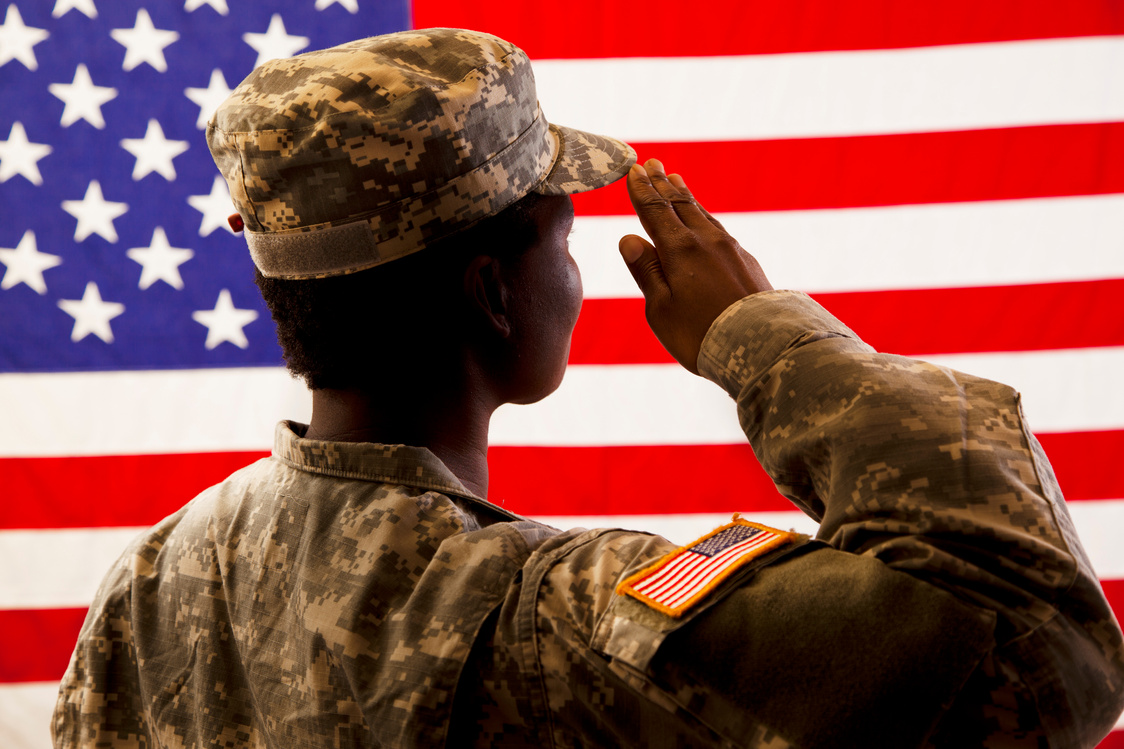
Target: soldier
<point x="407" y="211"/>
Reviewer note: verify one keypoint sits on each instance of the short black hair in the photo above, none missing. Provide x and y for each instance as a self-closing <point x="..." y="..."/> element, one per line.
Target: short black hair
<point x="324" y="325"/>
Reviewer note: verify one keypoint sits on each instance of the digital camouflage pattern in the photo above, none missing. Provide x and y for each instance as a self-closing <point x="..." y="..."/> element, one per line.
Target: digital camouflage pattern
<point x="342" y="159"/>
<point x="933" y="473"/>
<point x="349" y="595"/>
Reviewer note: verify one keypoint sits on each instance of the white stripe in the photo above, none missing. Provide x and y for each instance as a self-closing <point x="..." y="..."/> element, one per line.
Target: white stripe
<point x="25" y="714"/>
<point x="50" y="579"/>
<point x="1098" y="526"/>
<point x="718" y="566"/>
<point x="128" y="413"/>
<point x="985" y="243"/>
<point x="1063" y="391"/>
<point x="683" y="564"/>
<point x="139" y="413"/>
<point x="954" y="87"/>
<point x="682" y="529"/>
<point x="57" y="568"/>
<point x="677" y="578"/>
<point x="689" y="585"/>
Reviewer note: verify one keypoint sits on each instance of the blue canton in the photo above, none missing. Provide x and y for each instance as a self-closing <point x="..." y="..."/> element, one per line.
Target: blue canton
<point x="114" y="249"/>
<point x="724" y="539"/>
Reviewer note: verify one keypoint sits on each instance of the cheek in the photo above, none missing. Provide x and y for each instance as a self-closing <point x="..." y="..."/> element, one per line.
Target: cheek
<point x="572" y="293"/>
<point x="557" y="312"/>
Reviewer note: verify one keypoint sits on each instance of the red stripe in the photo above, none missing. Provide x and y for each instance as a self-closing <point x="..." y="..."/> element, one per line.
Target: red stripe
<point x="1114" y="740"/>
<point x="108" y="491"/>
<point x="602" y="480"/>
<point x="664" y="479"/>
<point x="873" y="170"/>
<point x="679" y="583"/>
<point x="590" y="28"/>
<point x="38" y="643"/>
<point x="687" y="585"/>
<point x="615" y="480"/>
<point x="1033" y="317"/>
<point x="917" y="322"/>
<point x="46" y="638"/>
<point x="656" y="587"/>
<point x="1081" y="460"/>
<point x="111" y="490"/>
<point x="1114" y="592"/>
<point x="681" y="565"/>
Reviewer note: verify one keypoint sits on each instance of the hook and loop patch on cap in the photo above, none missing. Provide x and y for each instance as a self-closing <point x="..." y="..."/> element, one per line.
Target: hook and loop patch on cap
<point x="679" y="580"/>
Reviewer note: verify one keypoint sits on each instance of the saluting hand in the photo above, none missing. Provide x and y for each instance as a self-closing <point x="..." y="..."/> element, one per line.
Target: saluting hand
<point x="694" y="271"/>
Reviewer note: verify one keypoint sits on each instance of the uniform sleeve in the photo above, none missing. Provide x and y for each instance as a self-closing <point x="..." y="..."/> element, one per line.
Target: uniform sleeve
<point x="932" y="473"/>
<point x="99" y="702"/>
<point x="946" y="601"/>
<point x="806" y="646"/>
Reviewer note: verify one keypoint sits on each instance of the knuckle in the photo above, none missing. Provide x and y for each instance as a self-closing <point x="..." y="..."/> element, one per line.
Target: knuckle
<point x="650" y="269"/>
<point x="653" y="201"/>
<point x="728" y="243"/>
<point x="722" y="242"/>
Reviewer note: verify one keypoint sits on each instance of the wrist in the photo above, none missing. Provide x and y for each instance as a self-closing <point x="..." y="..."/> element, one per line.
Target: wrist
<point x="752" y="333"/>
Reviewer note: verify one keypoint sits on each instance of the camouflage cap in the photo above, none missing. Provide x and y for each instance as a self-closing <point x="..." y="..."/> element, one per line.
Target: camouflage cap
<point x="346" y="158"/>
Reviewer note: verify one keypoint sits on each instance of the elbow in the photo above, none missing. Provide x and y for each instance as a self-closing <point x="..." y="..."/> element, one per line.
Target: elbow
<point x="1075" y="667"/>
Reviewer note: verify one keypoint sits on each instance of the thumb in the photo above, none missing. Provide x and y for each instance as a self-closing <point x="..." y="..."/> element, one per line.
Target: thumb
<point x="643" y="263"/>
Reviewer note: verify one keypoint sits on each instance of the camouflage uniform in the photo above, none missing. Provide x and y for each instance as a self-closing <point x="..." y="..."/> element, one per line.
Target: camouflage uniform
<point x="358" y="595"/>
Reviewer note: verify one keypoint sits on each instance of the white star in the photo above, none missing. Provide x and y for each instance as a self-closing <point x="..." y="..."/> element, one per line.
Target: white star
<point x="154" y="152"/>
<point x="275" y="43"/>
<point x="225" y="322"/>
<point x="62" y="7"/>
<point x="208" y="99"/>
<point x="26" y="264"/>
<point x="17" y="40"/>
<point x="91" y="314"/>
<point x="144" y="43"/>
<point x="216" y="208"/>
<point x="219" y="5"/>
<point x="83" y="99"/>
<point x="20" y="156"/>
<point x="160" y="261"/>
<point x="95" y="214"/>
<point x="351" y="5"/>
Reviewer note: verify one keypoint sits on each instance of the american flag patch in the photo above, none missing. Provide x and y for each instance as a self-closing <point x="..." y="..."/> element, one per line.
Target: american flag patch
<point x="682" y="578"/>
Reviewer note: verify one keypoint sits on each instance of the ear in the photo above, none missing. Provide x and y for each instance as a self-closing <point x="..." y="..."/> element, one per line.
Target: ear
<point x="486" y="293"/>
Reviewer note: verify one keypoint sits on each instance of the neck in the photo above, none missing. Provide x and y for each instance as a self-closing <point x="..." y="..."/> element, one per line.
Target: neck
<point x="455" y="429"/>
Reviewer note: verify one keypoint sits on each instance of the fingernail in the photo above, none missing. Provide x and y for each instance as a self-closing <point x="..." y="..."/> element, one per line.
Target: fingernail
<point x="656" y="164"/>
<point x="631" y="249"/>
<point x="676" y="180"/>
<point x="638" y="169"/>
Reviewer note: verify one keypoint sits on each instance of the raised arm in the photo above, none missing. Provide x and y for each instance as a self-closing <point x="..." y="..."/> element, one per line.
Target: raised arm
<point x="931" y="472"/>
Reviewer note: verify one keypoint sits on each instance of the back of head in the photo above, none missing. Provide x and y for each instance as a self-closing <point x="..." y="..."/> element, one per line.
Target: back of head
<point x="346" y="159"/>
<point x="337" y="332"/>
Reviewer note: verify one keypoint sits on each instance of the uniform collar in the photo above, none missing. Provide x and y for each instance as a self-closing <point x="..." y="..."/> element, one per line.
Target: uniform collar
<point x="369" y="461"/>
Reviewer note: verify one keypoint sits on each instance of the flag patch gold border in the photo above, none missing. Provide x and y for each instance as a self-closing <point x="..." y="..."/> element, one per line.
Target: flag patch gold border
<point x="680" y="579"/>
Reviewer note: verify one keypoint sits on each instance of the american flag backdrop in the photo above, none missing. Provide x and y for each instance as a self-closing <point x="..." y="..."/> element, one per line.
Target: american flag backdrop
<point x="945" y="176"/>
